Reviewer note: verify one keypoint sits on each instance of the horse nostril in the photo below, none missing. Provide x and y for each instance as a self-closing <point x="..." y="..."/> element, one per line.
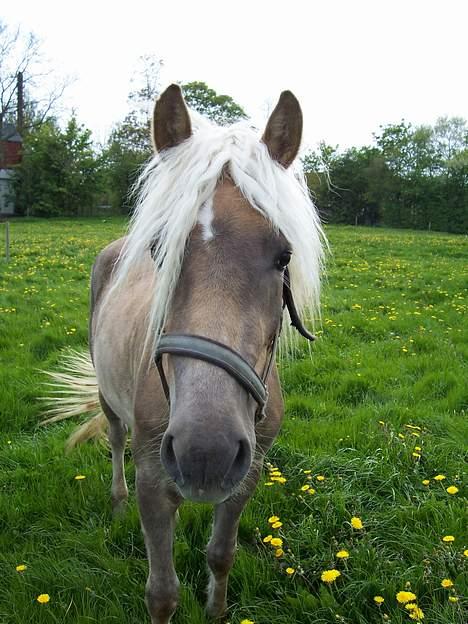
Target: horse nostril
<point x="240" y="465"/>
<point x="169" y="459"/>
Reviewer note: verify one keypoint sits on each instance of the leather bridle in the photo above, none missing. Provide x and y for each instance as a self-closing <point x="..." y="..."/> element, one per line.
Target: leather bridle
<point x="208" y="350"/>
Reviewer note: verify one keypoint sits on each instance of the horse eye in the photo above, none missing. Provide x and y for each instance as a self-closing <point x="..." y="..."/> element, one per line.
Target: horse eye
<point x="283" y="260"/>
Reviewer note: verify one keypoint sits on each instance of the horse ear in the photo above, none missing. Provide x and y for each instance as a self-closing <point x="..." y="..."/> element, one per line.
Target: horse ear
<point x="283" y="133"/>
<point x="171" y="119"/>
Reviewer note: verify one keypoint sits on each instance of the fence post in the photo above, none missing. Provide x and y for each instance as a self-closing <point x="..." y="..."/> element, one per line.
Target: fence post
<point x="7" y="241"/>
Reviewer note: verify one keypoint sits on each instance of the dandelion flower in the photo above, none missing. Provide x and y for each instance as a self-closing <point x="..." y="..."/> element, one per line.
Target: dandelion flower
<point x="379" y="599"/>
<point x="268" y="538"/>
<point x="330" y="576"/>
<point x="448" y="538"/>
<point x="356" y="523"/>
<point x="417" y="455"/>
<point x="452" y="489"/>
<point x="43" y="598"/>
<point x="273" y="519"/>
<point x="290" y="571"/>
<point x="311" y="491"/>
<point x="439" y="477"/>
<point x="417" y="448"/>
<point x="307" y="471"/>
<point x="276" y="525"/>
<point x="417" y="614"/>
<point x="275" y="473"/>
<point x="80" y="477"/>
<point x="269" y="483"/>
<point x="320" y="478"/>
<point x="277" y="542"/>
<point x="279" y="552"/>
<point x="446" y="583"/>
<point x="247" y="622"/>
<point x="342" y="554"/>
<point x="410" y="606"/>
<point x="405" y="596"/>
<point x="426" y="482"/>
<point x="465" y="552"/>
<point x="21" y="567"/>
<point x="305" y="487"/>
<point x="453" y="599"/>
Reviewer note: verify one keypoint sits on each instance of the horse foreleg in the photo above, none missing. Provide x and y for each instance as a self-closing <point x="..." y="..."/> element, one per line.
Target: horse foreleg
<point x="222" y="545"/>
<point x="157" y="513"/>
<point x="118" y="440"/>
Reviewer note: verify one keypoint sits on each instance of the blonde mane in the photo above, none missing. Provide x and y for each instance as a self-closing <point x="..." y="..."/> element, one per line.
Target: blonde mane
<point x="177" y="183"/>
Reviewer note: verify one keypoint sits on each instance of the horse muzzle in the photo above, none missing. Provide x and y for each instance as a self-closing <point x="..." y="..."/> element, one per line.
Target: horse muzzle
<point x="206" y="468"/>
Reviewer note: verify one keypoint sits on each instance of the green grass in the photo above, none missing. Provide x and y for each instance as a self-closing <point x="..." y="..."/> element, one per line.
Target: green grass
<point x="393" y="348"/>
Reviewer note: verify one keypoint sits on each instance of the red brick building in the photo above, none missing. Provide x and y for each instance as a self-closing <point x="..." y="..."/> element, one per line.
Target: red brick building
<point x="10" y="155"/>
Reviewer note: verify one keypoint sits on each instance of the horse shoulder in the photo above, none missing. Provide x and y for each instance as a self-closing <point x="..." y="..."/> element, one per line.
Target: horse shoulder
<point x="101" y="274"/>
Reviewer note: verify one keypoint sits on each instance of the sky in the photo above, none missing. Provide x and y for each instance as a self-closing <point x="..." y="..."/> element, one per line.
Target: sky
<point x="353" y="64"/>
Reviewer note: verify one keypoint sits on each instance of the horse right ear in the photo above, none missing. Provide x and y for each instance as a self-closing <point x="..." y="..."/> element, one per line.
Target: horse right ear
<point x="171" y="119"/>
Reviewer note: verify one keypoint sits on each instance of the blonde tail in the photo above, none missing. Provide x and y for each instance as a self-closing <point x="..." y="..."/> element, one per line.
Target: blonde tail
<point x="75" y="392"/>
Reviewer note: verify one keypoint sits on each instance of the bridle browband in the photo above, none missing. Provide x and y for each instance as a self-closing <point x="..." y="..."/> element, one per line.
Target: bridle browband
<point x="208" y="350"/>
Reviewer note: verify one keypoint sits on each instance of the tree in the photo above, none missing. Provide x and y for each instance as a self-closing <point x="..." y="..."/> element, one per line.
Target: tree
<point x="221" y="109"/>
<point x="129" y="144"/>
<point x="59" y="173"/>
<point x="21" y="64"/>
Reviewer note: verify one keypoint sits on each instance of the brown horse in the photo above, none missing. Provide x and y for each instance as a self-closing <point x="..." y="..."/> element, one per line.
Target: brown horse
<point x="185" y="316"/>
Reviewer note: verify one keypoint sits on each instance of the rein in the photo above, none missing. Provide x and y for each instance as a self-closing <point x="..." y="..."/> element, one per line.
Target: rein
<point x="208" y="350"/>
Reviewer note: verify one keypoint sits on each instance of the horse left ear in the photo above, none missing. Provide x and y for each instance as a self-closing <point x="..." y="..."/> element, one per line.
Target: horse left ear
<point x="283" y="133"/>
<point x="171" y="119"/>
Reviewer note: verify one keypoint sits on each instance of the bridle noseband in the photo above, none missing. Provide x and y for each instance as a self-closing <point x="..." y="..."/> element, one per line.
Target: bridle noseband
<point x="208" y="350"/>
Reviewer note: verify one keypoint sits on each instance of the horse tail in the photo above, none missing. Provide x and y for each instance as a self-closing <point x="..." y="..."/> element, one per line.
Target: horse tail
<point x="75" y="391"/>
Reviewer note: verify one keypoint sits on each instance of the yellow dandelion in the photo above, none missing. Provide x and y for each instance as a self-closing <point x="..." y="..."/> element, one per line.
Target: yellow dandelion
<point x="320" y="478"/>
<point x="80" y="477"/>
<point x="381" y="422"/>
<point x="247" y="622"/>
<point x="356" y="523"/>
<point x="452" y="489"/>
<point x="307" y="471"/>
<point x="426" y="482"/>
<point x="379" y="599"/>
<point x="465" y="552"/>
<point x="417" y="448"/>
<point x="405" y="596"/>
<point x="417" y="614"/>
<point x="446" y="583"/>
<point x="448" y="538"/>
<point x="21" y="567"/>
<point x="276" y="525"/>
<point x="410" y="606"/>
<point x="275" y="473"/>
<point x="342" y="554"/>
<point x="273" y="519"/>
<point x="305" y="487"/>
<point x="453" y="599"/>
<point x="439" y="477"/>
<point x="400" y="435"/>
<point x="269" y="483"/>
<point x="279" y="552"/>
<point x="311" y="491"/>
<point x="417" y="455"/>
<point x="43" y="598"/>
<point x="277" y="542"/>
<point x="290" y="571"/>
<point x="268" y="538"/>
<point x="330" y="576"/>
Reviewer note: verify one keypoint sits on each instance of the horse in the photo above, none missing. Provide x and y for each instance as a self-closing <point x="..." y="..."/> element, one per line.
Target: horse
<point x="185" y="316"/>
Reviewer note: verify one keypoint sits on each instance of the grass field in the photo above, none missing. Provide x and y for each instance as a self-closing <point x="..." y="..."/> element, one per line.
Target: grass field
<point x="379" y="408"/>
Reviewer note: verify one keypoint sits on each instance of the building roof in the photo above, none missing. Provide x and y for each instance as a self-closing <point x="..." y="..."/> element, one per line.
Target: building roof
<point x="10" y="133"/>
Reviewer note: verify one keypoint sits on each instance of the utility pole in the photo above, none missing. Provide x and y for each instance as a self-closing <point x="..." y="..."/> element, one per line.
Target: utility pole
<point x="20" y="102"/>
